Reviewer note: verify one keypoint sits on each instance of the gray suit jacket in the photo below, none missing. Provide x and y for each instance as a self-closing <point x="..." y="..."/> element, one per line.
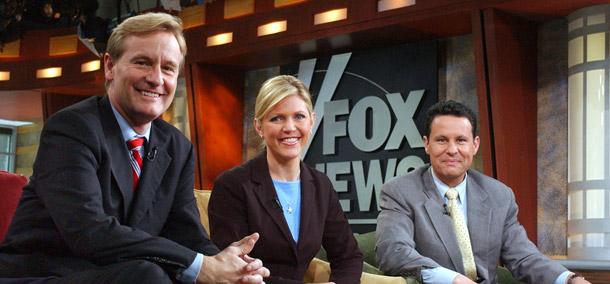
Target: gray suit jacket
<point x="414" y="232"/>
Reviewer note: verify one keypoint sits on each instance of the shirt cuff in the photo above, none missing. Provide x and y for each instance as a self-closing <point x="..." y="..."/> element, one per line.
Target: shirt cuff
<point x="561" y="279"/>
<point x="438" y="275"/>
<point x="190" y="274"/>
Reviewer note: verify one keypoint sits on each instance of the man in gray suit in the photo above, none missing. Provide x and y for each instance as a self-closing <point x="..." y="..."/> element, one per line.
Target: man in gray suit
<point x="416" y="235"/>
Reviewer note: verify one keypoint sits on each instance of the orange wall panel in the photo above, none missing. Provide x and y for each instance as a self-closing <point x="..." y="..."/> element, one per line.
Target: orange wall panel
<point x="217" y="98"/>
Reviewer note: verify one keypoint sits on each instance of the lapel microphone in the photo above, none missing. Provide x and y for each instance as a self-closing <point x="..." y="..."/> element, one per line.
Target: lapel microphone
<point x="445" y="210"/>
<point x="277" y="202"/>
<point x="152" y="154"/>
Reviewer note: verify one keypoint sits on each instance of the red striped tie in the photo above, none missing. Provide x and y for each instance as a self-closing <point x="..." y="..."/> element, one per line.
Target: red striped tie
<point x="134" y="146"/>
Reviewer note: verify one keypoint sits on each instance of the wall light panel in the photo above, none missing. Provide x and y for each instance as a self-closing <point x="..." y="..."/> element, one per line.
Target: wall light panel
<point x="219" y="39"/>
<point x="5" y="75"/>
<point x="271" y="28"/>
<point x="236" y="8"/>
<point x="330" y="16"/>
<point x="385" y="5"/>
<point x="62" y="45"/>
<point x="280" y="3"/>
<point x="192" y="16"/>
<point x="90" y="66"/>
<point x="11" y="49"/>
<point x="51" y="72"/>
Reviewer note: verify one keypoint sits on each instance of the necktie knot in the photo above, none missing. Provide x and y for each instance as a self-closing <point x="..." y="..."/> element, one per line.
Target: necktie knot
<point x="452" y="194"/>
<point x="135" y="143"/>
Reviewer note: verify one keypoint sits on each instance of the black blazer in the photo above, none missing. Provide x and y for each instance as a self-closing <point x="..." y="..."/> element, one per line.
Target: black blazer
<point x="243" y="201"/>
<point x="79" y="208"/>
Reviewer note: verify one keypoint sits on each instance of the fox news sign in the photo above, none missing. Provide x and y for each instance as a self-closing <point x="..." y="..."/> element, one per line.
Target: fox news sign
<point x="370" y="117"/>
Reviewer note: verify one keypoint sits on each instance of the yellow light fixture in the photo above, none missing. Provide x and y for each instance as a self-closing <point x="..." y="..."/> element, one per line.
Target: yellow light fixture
<point x="330" y="16"/>
<point x="51" y="72"/>
<point x="280" y="3"/>
<point x="92" y="65"/>
<point x="271" y="28"/>
<point x="236" y="8"/>
<point x="219" y="39"/>
<point x="5" y="75"/>
<point x="11" y="49"/>
<point x="385" y="5"/>
<point x="63" y="45"/>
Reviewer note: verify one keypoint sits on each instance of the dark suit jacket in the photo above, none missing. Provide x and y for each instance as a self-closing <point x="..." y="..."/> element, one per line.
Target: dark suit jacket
<point x="243" y="201"/>
<point x="80" y="210"/>
<point x="413" y="231"/>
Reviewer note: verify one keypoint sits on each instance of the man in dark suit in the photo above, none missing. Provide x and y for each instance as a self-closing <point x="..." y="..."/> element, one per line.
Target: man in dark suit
<point x="447" y="223"/>
<point x="96" y="212"/>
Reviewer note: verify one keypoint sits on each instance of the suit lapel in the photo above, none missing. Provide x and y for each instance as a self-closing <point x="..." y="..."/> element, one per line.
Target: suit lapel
<point x="308" y="192"/>
<point x="119" y="163"/>
<point x="479" y="220"/>
<point x="267" y="197"/>
<point x="152" y="173"/>
<point x="441" y="221"/>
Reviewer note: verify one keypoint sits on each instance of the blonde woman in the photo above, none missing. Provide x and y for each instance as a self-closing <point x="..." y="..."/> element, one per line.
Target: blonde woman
<point x="293" y="206"/>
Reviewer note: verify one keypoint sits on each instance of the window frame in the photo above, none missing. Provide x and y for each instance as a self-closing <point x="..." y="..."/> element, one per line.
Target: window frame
<point x="12" y="154"/>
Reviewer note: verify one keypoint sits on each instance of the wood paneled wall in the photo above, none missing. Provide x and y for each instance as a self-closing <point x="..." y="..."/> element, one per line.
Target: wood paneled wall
<point x="505" y="56"/>
<point x="215" y="94"/>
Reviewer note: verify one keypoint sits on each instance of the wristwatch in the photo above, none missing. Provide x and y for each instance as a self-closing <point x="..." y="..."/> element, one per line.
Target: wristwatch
<point x="574" y="276"/>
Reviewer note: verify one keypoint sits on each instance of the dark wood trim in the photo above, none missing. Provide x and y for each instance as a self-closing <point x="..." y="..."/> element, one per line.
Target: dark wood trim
<point x="190" y="96"/>
<point x="510" y="57"/>
<point x="485" y="118"/>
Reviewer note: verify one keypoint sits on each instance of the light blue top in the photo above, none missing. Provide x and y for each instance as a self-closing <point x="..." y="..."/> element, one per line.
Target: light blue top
<point x="289" y="194"/>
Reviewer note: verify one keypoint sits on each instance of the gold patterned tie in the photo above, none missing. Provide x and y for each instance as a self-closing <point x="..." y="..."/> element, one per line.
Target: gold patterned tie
<point x="461" y="232"/>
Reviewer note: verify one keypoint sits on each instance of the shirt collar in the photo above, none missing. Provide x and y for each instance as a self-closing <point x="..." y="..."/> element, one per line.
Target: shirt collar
<point x="126" y="130"/>
<point x="442" y="187"/>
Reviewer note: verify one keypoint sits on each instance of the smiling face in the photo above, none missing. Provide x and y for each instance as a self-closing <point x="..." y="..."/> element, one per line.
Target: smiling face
<point x="286" y="129"/>
<point x="451" y="147"/>
<point x="142" y="82"/>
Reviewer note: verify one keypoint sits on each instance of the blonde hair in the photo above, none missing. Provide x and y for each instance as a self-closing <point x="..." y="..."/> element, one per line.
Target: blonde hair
<point x="276" y="89"/>
<point x="143" y="25"/>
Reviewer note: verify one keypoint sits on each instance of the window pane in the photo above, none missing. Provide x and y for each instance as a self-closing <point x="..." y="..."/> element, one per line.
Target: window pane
<point x="595" y="239"/>
<point x="576" y="204"/>
<point x="4" y="162"/>
<point x="595" y="125"/>
<point x="5" y="143"/>
<point x="595" y="203"/>
<point x="575" y="240"/>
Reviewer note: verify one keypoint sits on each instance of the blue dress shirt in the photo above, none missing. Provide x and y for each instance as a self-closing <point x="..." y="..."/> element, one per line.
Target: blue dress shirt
<point x="190" y="274"/>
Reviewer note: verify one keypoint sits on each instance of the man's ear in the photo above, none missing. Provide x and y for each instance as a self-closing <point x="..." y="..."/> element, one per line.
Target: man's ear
<point x="426" y="143"/>
<point x="108" y="67"/>
<point x="476" y="141"/>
